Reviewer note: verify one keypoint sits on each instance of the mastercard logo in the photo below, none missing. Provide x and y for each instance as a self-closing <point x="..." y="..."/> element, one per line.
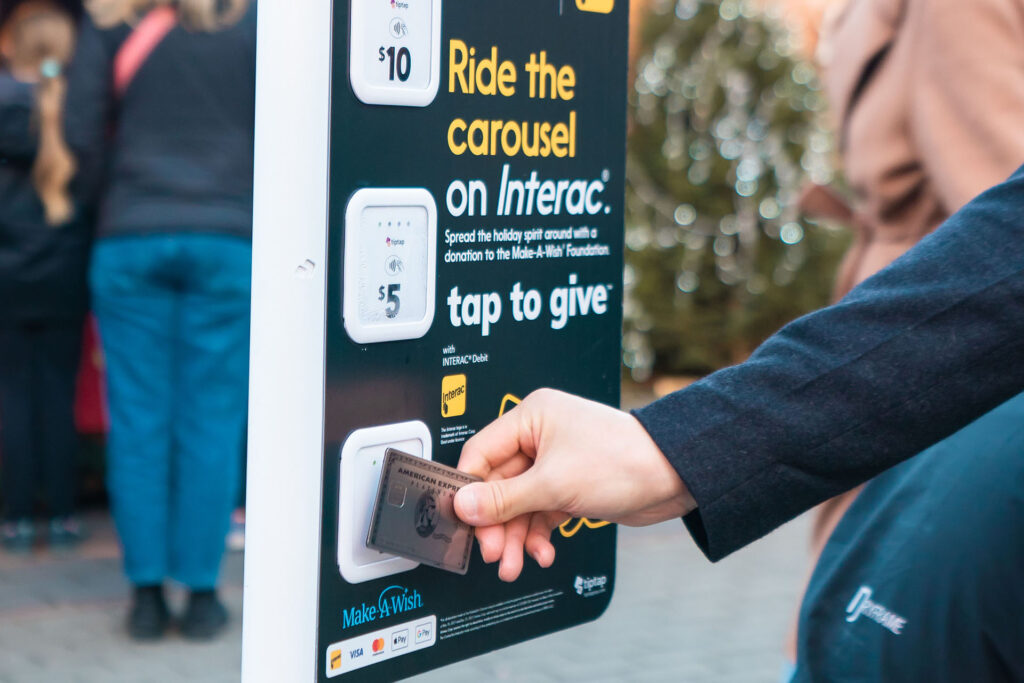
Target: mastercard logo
<point x="378" y="646"/>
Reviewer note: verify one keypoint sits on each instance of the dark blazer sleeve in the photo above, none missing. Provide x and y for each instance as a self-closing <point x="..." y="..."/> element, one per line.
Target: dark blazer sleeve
<point x="906" y="359"/>
<point x="18" y="137"/>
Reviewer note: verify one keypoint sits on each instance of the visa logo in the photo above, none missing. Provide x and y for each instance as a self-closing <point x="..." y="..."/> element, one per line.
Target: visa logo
<point x="358" y="652"/>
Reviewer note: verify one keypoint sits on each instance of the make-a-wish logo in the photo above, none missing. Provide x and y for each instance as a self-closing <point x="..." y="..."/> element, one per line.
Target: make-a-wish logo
<point x="392" y="600"/>
<point x="863" y="605"/>
<point x="590" y="585"/>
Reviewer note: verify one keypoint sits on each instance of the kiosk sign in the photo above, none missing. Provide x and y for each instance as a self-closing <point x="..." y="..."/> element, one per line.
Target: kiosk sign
<point x="473" y="254"/>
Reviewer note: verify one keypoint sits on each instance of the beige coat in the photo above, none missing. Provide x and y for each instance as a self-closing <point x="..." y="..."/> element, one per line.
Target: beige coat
<point x="928" y="97"/>
<point x="928" y="101"/>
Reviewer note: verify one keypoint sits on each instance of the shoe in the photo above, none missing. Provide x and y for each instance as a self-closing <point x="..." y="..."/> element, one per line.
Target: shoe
<point x="18" y="535"/>
<point x="149" y="617"/>
<point x="205" y="616"/>
<point x="66" y="532"/>
<point x="235" y="540"/>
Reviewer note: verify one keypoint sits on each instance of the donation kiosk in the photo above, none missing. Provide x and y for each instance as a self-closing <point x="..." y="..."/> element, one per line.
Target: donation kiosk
<point x="438" y="232"/>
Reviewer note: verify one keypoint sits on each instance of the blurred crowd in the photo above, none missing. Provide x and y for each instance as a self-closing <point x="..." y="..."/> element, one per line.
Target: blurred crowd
<point x="126" y="136"/>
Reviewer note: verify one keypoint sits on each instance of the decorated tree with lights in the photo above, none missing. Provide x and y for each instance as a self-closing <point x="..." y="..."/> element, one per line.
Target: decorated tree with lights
<point x="727" y="126"/>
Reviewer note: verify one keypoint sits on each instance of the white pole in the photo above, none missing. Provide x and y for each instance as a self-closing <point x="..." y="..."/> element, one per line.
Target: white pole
<point x="287" y="363"/>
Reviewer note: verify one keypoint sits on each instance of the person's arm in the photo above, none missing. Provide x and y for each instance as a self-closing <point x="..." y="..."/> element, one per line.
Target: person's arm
<point x="18" y="137"/>
<point x="967" y="78"/>
<point x="907" y="358"/>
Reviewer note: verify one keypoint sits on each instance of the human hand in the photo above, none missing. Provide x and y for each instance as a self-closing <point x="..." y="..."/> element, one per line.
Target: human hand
<point x="556" y="456"/>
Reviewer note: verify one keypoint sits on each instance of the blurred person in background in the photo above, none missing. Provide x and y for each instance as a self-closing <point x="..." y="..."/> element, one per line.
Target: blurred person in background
<point x="161" y="99"/>
<point x="44" y="250"/>
<point x="927" y="97"/>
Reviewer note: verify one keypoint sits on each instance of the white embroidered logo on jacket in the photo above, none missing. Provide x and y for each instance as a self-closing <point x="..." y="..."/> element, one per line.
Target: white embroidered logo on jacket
<point x="878" y="613"/>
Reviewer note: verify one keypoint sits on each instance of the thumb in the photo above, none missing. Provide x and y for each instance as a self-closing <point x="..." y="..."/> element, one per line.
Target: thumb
<point x="498" y="501"/>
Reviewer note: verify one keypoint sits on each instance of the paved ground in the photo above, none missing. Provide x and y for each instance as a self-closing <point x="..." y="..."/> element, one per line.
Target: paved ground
<point x="61" y="619"/>
<point x="674" y="617"/>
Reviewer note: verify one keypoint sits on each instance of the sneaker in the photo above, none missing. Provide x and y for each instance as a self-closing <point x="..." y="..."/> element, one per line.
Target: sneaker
<point x="205" y="617"/>
<point x="235" y="540"/>
<point x="148" y="617"/>
<point x="18" y="536"/>
<point x="66" y="532"/>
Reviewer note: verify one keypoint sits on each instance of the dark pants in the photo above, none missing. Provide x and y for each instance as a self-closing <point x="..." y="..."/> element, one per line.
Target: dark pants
<point x="38" y="442"/>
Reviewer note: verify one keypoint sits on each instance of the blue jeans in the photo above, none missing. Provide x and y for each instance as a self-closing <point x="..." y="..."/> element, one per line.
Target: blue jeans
<point x="173" y="313"/>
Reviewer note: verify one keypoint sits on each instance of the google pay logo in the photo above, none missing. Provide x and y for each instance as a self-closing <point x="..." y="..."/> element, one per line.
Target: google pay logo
<point x="599" y="6"/>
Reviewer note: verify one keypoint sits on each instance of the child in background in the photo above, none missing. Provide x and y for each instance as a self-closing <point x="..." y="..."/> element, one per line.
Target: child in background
<point x="44" y="247"/>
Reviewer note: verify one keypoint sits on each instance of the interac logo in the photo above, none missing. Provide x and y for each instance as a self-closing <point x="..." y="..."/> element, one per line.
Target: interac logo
<point x="453" y="395"/>
<point x="599" y="6"/>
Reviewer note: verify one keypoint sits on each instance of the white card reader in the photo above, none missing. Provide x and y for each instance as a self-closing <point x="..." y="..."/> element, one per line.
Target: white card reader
<point x="390" y="264"/>
<point x="362" y="457"/>
<point x="395" y="51"/>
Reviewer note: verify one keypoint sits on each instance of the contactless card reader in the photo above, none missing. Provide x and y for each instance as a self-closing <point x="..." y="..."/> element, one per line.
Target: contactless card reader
<point x="362" y="459"/>
<point x="395" y="55"/>
<point x="390" y="264"/>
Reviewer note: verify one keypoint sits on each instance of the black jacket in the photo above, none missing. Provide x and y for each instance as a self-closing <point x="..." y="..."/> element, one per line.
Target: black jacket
<point x="42" y="268"/>
<point x="907" y="358"/>
<point x="175" y="153"/>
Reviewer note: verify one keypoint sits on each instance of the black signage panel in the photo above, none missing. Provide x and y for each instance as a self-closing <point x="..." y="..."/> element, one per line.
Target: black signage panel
<point x="474" y="255"/>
